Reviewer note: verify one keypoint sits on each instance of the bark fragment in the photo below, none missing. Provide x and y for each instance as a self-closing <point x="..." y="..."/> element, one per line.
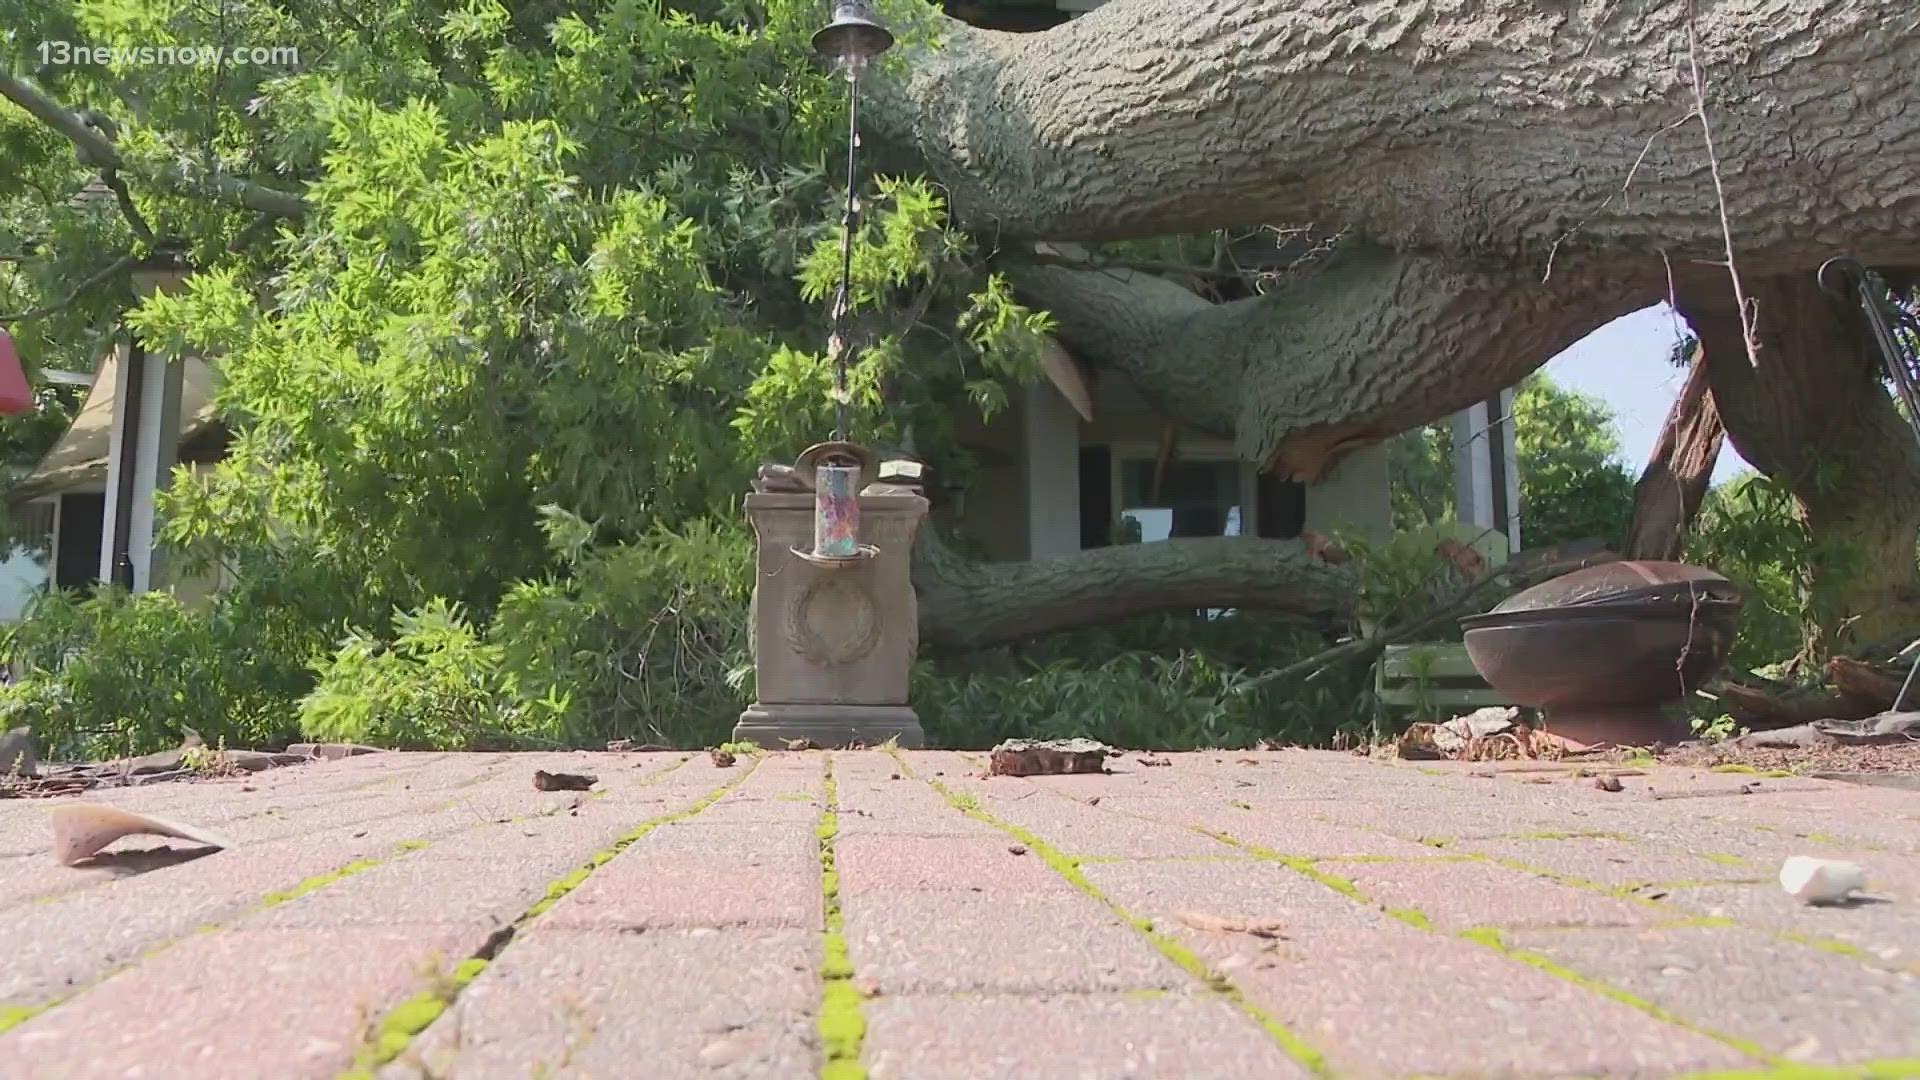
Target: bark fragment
<point x="1031" y="757"/>
<point x="1679" y="471"/>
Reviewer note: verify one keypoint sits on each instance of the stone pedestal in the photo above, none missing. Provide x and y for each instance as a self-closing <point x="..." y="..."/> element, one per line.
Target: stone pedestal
<point x="833" y="646"/>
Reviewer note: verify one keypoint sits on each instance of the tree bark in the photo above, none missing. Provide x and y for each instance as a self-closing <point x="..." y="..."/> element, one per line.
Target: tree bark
<point x="970" y="605"/>
<point x="1477" y="127"/>
<point x="1350" y="354"/>
<point x="1816" y="416"/>
<point x="1675" y="481"/>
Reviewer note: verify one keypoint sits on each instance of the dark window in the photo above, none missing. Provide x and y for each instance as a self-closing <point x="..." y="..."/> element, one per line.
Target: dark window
<point x="1096" y="496"/>
<point x="78" y="564"/>
<point x="1195" y="498"/>
<point x="1282" y="507"/>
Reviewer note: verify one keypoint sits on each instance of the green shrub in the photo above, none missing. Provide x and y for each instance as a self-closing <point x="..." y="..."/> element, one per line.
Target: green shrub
<point x="1175" y="682"/>
<point x="115" y="674"/>
<point x="438" y="685"/>
<point x="648" y="640"/>
<point x="1748" y="530"/>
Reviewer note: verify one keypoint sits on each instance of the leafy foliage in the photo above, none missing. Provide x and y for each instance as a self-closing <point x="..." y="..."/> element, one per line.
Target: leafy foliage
<point x="437" y="686"/>
<point x="553" y="257"/>
<point x="1572" y="483"/>
<point x="116" y="674"/>
<point x="1176" y="682"/>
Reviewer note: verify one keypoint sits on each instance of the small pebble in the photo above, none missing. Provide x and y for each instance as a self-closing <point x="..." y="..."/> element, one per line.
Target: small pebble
<point x="1017" y="849"/>
<point x="1607" y="783"/>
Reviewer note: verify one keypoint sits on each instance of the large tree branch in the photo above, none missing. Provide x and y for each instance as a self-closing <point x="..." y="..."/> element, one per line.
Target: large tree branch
<point x="1678" y="472"/>
<point x="97" y="150"/>
<point x="117" y="266"/>
<point x="967" y="605"/>
<point x="1355" y="352"/>
<point x="1481" y="126"/>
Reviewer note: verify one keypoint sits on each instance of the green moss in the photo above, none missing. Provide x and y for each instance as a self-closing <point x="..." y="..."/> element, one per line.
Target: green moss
<point x="1069" y="868"/>
<point x="404" y="1022"/>
<point x="1413" y="917"/>
<point x="1491" y="939"/>
<point x="1731" y="767"/>
<point x="1723" y="858"/>
<point x="842" y="1024"/>
<point x="316" y="882"/>
<point x="1838" y="948"/>
<point x="413" y="845"/>
<point x="1297" y="863"/>
<point x="1701" y="922"/>
<point x="1898" y="1069"/>
<point x="12" y="1016"/>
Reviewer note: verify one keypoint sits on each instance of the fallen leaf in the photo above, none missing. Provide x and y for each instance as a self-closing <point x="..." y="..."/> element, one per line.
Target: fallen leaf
<point x="801" y="744"/>
<point x="81" y="830"/>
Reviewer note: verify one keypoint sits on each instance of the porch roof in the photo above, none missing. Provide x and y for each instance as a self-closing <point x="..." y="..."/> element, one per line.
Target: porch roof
<point x="79" y="459"/>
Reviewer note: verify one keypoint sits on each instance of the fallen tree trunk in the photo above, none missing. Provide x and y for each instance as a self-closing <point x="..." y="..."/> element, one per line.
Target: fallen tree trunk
<point x="971" y="605"/>
<point x="1675" y="481"/>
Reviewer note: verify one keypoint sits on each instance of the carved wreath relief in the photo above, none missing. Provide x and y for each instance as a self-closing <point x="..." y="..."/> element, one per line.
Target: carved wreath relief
<point x="834" y="620"/>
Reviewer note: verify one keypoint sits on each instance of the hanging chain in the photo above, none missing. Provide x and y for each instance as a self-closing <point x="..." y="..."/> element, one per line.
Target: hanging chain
<point x="1849" y="280"/>
<point x="843" y="300"/>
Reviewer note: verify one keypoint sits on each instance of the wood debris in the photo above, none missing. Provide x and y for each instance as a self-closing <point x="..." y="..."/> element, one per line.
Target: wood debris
<point x="1055" y="757"/>
<point x="548" y="781"/>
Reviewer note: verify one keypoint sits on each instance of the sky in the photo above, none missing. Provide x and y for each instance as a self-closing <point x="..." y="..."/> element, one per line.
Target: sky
<point x="1624" y="364"/>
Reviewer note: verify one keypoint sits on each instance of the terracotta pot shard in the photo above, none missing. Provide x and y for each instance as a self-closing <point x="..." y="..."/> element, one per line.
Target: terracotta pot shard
<point x="82" y="829"/>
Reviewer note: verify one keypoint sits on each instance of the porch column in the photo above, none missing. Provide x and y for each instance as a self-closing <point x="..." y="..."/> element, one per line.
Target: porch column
<point x="141" y="454"/>
<point x="1050" y="431"/>
<point x="1486" y="467"/>
<point x="143" y="446"/>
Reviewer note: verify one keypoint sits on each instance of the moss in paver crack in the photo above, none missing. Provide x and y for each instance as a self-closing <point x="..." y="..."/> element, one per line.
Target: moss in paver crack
<point x="843" y="1026"/>
<point x="1491" y="939"/>
<point x="1892" y="1069"/>
<point x="400" y="1026"/>
<point x="13" y="1016"/>
<point x="1069" y="868"/>
<point x="1632" y="892"/>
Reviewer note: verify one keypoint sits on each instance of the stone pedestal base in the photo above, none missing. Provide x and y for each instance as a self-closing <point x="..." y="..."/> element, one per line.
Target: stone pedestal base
<point x="830" y="727"/>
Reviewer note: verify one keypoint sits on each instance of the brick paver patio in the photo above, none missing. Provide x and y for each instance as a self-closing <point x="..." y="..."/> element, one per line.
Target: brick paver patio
<point x="1229" y="914"/>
